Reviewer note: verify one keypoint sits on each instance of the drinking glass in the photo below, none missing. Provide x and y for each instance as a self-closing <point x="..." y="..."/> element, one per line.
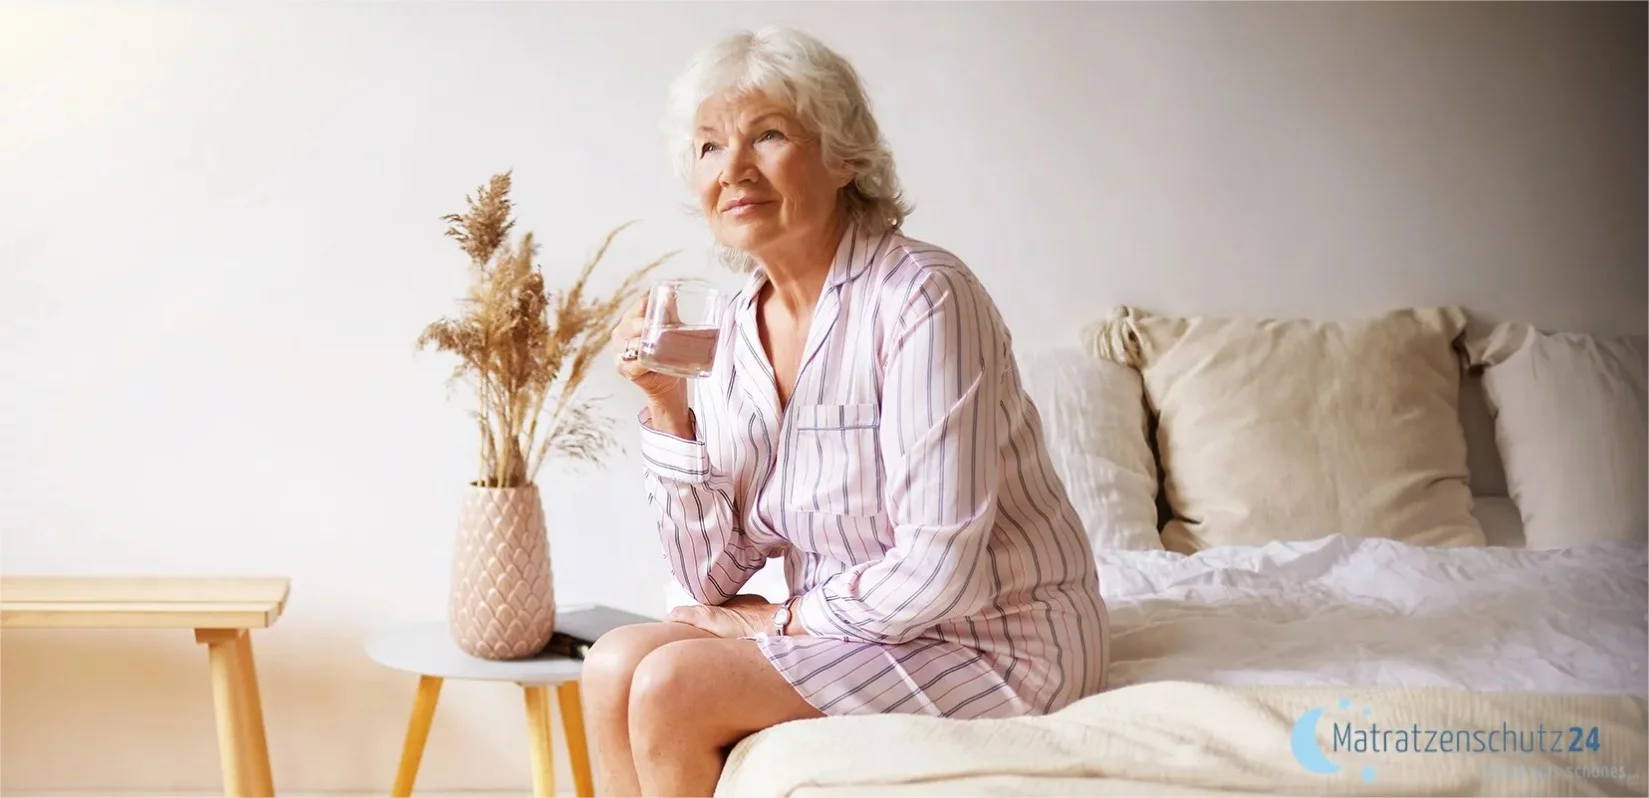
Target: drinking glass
<point x="683" y="328"/>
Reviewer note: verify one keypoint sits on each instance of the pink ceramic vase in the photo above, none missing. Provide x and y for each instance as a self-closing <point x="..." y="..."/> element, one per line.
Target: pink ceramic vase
<point x="502" y="600"/>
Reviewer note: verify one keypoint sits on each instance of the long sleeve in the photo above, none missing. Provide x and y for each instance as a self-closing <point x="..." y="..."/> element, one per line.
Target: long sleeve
<point x="939" y="438"/>
<point x="697" y="518"/>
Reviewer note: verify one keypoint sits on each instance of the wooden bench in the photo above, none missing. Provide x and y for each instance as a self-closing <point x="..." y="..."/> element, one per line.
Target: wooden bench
<point x="221" y="612"/>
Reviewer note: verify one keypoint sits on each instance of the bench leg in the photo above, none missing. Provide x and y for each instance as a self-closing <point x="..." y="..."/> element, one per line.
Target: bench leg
<point x="255" y="739"/>
<point x="538" y="734"/>
<point x="412" y="750"/>
<point x="578" y="748"/>
<point x="242" y="745"/>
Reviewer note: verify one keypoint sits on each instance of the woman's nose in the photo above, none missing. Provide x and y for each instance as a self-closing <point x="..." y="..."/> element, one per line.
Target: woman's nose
<point x="738" y="166"/>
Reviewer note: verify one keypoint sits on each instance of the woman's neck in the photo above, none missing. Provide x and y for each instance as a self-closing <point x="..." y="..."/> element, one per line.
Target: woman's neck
<point x="797" y="276"/>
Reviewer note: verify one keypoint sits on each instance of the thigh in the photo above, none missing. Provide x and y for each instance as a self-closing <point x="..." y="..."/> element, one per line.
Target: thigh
<point x="727" y="687"/>
<point x="922" y="676"/>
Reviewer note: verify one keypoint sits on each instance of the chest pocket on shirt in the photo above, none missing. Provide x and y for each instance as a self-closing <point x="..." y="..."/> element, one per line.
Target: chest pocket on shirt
<point x="835" y="461"/>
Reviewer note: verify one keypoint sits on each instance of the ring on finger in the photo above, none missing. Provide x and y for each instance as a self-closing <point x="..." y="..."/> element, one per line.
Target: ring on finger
<point x="632" y="349"/>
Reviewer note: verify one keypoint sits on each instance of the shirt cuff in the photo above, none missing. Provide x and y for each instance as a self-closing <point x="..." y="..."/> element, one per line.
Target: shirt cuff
<point x="815" y="616"/>
<point x="671" y="457"/>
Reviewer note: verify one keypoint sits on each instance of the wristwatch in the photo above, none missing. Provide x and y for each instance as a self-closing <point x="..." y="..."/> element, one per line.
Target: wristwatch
<point x="781" y="619"/>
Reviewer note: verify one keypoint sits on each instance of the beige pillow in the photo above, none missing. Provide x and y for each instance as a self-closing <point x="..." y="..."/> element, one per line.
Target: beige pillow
<point x="1572" y="424"/>
<point x="1094" y="424"/>
<point x="1286" y="430"/>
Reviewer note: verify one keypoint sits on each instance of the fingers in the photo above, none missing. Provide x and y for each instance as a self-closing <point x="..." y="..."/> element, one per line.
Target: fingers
<point x="626" y="332"/>
<point x="691" y="615"/>
<point x="718" y="621"/>
<point x="628" y="329"/>
<point x="631" y="323"/>
<point x="632" y="370"/>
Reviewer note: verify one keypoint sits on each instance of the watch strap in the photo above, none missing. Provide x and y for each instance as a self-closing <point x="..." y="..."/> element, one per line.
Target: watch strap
<point x="781" y="618"/>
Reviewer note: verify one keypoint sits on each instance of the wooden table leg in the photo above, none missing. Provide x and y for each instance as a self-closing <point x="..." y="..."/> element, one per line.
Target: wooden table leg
<point x="538" y="733"/>
<point x="578" y="748"/>
<point x="412" y="750"/>
<point x="255" y="743"/>
<point x="242" y="746"/>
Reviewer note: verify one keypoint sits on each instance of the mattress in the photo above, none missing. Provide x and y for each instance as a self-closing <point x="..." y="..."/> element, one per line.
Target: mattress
<point x="1181" y="738"/>
<point x="1215" y="656"/>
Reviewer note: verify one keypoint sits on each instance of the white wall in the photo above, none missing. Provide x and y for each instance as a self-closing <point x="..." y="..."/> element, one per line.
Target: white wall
<point x="221" y="236"/>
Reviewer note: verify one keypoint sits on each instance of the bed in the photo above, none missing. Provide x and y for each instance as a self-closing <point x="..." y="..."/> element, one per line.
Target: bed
<point x="1263" y="654"/>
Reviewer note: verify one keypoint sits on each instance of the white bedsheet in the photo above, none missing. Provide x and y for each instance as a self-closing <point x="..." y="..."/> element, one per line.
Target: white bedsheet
<point x="1346" y="611"/>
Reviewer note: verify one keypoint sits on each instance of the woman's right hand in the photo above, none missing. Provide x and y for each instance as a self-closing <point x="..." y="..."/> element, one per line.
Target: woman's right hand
<point x="666" y="394"/>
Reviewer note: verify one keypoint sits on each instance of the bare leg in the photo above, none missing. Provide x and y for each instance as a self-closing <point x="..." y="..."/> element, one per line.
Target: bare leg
<point x="691" y="700"/>
<point x="609" y="670"/>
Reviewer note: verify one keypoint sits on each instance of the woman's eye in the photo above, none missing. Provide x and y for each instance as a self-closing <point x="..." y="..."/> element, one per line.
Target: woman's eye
<point x="705" y="148"/>
<point x="771" y="134"/>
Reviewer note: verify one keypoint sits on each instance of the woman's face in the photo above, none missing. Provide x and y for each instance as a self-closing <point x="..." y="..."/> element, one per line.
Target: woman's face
<point x="761" y="178"/>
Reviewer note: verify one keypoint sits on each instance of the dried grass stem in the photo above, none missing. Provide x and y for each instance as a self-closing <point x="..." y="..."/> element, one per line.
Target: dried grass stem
<point x="525" y="348"/>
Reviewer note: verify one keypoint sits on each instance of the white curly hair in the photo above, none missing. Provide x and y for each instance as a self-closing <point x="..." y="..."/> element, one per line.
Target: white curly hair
<point x="825" y="93"/>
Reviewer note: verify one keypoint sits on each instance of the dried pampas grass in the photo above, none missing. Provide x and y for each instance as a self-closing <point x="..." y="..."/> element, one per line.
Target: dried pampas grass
<point x="524" y="348"/>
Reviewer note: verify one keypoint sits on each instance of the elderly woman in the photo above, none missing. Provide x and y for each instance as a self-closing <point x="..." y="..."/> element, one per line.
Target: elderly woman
<point x="865" y="422"/>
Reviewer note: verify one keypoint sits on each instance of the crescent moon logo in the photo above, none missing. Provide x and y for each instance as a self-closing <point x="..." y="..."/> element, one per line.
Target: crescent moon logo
<point x="1303" y="740"/>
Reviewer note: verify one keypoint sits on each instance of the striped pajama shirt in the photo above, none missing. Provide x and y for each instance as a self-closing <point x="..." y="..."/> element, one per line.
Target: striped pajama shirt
<point x="939" y="565"/>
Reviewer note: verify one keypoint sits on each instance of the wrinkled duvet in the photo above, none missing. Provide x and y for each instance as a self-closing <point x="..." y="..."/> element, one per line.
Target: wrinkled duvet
<point x="1344" y="611"/>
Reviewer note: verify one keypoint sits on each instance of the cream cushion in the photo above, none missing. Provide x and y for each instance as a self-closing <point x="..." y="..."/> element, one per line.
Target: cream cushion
<point x="1572" y="424"/>
<point x="1094" y="424"/>
<point x="1293" y="429"/>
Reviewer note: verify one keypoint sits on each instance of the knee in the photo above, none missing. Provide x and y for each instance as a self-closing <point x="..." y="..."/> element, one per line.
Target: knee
<point x="610" y="665"/>
<point x="663" y="673"/>
<point x="667" y="691"/>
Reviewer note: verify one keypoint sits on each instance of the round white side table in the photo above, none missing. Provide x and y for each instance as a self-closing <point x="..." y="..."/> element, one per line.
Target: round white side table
<point x="427" y="650"/>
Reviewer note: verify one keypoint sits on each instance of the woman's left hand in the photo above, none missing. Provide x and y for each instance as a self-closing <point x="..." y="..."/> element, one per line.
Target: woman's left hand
<point x="741" y="616"/>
